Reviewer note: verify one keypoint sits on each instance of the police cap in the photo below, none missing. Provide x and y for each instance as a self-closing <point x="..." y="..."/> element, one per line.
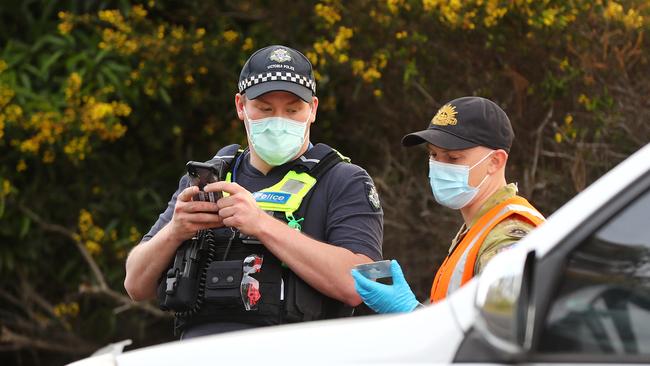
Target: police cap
<point x="277" y="68"/>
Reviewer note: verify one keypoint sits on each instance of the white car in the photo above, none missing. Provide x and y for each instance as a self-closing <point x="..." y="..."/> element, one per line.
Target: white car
<point x="574" y="291"/>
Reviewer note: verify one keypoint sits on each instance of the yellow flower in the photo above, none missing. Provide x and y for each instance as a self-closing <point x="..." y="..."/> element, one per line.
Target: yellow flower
<point x="48" y="157"/>
<point x="85" y="221"/>
<point x="558" y="137"/>
<point x="150" y="88"/>
<point x="77" y="147"/>
<point x="358" y="66"/>
<point x="21" y="166"/>
<point x="401" y="35"/>
<point x="230" y="36"/>
<point x="378" y="93"/>
<point x="548" y="16"/>
<point x="178" y="32"/>
<point x="568" y="119"/>
<point x="327" y="13"/>
<point x="614" y="10"/>
<point x="161" y="32"/>
<point x="134" y="235"/>
<point x="6" y="95"/>
<point x="97" y="234"/>
<point x="121" y="109"/>
<point x="100" y="110"/>
<point x="13" y="112"/>
<point x="371" y="74"/>
<point x="65" y="27"/>
<point x="138" y="11"/>
<point x="73" y="85"/>
<point x="342" y="37"/>
<point x="313" y="57"/>
<point x="93" y="247"/>
<point x="394" y="5"/>
<point x="564" y="64"/>
<point x="198" y="48"/>
<point x="632" y="19"/>
<point x="248" y="44"/>
<point x="63" y="309"/>
<point x="583" y="99"/>
<point x="3" y="65"/>
<point x="6" y="187"/>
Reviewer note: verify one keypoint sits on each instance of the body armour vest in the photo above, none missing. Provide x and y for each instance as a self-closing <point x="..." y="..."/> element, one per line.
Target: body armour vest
<point x="224" y="275"/>
<point x="458" y="267"/>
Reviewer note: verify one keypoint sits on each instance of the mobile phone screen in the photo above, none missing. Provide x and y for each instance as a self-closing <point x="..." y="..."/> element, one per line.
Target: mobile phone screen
<point x="202" y="174"/>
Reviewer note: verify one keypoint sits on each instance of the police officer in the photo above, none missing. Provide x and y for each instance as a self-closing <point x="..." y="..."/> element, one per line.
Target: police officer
<point x="468" y="141"/>
<point x="307" y="253"/>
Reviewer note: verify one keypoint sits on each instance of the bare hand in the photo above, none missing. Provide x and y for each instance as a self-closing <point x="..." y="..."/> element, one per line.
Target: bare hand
<point x="239" y="209"/>
<point x="192" y="216"/>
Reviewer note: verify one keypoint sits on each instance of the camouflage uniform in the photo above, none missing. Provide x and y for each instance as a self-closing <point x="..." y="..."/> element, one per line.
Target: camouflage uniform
<point x="502" y="236"/>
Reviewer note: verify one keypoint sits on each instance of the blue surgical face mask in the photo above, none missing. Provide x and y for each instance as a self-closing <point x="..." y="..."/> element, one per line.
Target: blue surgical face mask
<point x="276" y="140"/>
<point x="450" y="183"/>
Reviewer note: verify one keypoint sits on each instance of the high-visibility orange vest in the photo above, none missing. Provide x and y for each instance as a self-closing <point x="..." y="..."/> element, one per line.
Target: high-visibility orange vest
<point x="458" y="267"/>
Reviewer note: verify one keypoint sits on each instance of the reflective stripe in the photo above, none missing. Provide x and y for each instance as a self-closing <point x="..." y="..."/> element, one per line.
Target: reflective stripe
<point x="304" y="159"/>
<point x="224" y="156"/>
<point x="457" y="275"/>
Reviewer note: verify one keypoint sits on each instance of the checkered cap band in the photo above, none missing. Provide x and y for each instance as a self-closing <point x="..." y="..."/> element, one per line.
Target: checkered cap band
<point x="277" y="76"/>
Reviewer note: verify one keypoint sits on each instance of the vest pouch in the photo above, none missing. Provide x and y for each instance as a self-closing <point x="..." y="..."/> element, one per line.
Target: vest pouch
<point x="184" y="293"/>
<point x="179" y="286"/>
<point x="222" y="283"/>
<point x="302" y="302"/>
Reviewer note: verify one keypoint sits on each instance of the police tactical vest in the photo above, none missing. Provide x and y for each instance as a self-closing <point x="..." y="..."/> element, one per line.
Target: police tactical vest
<point x="458" y="267"/>
<point x="235" y="278"/>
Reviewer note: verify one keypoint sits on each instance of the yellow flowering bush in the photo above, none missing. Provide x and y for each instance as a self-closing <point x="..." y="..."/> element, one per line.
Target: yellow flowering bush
<point x="102" y="105"/>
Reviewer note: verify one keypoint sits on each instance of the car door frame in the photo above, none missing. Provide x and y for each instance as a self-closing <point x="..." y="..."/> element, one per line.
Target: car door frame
<point x="549" y="269"/>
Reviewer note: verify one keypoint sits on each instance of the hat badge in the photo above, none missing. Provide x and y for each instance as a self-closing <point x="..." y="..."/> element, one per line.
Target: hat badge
<point x="280" y="55"/>
<point x="446" y="116"/>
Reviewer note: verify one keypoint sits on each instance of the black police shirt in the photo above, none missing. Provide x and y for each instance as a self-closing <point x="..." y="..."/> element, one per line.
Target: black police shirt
<point x="344" y="209"/>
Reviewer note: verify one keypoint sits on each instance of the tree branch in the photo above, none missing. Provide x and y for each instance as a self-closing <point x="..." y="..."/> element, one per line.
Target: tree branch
<point x="124" y="300"/>
<point x="46" y="226"/>
<point x="530" y="185"/>
<point x="14" y="341"/>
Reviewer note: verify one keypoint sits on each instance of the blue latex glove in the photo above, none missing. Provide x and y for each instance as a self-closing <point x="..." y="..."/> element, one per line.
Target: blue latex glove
<point x="395" y="298"/>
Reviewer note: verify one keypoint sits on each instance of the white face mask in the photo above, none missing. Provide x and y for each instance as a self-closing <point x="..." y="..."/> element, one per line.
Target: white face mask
<point x="276" y="140"/>
<point x="450" y="183"/>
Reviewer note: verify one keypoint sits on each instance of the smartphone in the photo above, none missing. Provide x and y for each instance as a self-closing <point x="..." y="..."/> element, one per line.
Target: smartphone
<point x="375" y="270"/>
<point x="202" y="174"/>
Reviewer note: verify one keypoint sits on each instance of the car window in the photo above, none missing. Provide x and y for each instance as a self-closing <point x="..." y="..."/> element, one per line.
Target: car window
<point x="603" y="303"/>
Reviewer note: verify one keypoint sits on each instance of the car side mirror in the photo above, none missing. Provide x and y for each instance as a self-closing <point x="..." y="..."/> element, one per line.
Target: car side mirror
<point x="502" y="301"/>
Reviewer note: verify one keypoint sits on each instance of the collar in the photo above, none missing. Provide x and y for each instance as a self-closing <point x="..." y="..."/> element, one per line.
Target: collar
<point x="502" y="194"/>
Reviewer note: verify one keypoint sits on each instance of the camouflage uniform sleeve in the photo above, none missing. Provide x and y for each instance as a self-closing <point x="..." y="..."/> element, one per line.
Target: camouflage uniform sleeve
<point x="503" y="235"/>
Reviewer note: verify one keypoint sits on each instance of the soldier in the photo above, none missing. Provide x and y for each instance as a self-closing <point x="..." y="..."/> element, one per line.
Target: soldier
<point x="468" y="141"/>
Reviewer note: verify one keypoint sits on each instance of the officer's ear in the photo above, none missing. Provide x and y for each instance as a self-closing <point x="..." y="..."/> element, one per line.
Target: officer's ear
<point x="498" y="161"/>
<point x="314" y="108"/>
<point x="240" y="100"/>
